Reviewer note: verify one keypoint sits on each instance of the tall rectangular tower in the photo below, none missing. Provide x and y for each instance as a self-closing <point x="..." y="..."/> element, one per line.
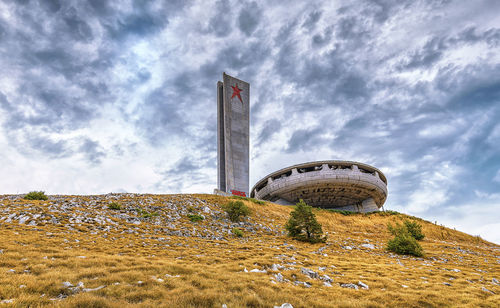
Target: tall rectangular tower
<point x="233" y="141"/>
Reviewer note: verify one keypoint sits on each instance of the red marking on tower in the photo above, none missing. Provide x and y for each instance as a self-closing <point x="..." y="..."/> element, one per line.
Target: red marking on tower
<point x="238" y="193"/>
<point x="236" y="92"/>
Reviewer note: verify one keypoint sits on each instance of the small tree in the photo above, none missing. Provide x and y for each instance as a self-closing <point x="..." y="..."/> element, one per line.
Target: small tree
<point x="303" y="225"/>
<point x="236" y="210"/>
<point x="415" y="229"/>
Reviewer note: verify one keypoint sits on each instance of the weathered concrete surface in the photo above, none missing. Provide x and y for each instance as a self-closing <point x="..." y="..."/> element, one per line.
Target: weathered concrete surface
<point x="342" y="185"/>
<point x="233" y="135"/>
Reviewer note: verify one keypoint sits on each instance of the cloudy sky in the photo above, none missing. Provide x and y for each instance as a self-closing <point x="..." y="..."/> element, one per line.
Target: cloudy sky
<point x="113" y="96"/>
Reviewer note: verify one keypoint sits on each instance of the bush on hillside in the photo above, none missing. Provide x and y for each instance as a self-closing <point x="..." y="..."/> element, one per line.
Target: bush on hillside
<point x="405" y="238"/>
<point x="237" y="232"/>
<point x="236" y="210"/>
<point x="405" y="244"/>
<point x="303" y="225"/>
<point x="114" y="206"/>
<point x="195" y="217"/>
<point x="415" y="229"/>
<point x="36" y="195"/>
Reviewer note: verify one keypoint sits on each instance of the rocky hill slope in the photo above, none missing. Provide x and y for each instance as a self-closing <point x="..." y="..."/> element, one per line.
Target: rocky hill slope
<point x="74" y="251"/>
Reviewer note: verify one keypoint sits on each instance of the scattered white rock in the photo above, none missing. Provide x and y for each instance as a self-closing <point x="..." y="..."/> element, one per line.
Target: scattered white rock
<point x="11" y="271"/>
<point x="363" y="285"/>
<point x="456" y="270"/>
<point x="487" y="291"/>
<point x="22" y="286"/>
<point x="327" y="284"/>
<point x="7" y="301"/>
<point x="255" y="270"/>
<point x="368" y="246"/>
<point x="94" y="289"/>
<point x="312" y="274"/>
<point x="285" y="305"/>
<point x="349" y="286"/>
<point x="224" y="306"/>
<point x="447" y="284"/>
<point x="494" y="281"/>
<point x="298" y="283"/>
<point x="81" y="257"/>
<point x="279" y="277"/>
<point x="404" y="286"/>
<point x="67" y="284"/>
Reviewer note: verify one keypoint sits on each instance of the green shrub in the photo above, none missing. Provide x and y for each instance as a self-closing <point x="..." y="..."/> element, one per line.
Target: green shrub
<point x="345" y="213"/>
<point x="149" y="215"/>
<point x="36" y="195"/>
<point x="405" y="238"/>
<point x="145" y="214"/>
<point x="405" y="244"/>
<point x="260" y="202"/>
<point x="114" y="206"/>
<point x="195" y="217"/>
<point x="303" y="225"/>
<point x="236" y="210"/>
<point x="237" y="232"/>
<point x="415" y="229"/>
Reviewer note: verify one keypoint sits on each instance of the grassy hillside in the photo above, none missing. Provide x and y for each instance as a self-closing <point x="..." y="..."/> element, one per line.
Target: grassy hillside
<point x="74" y="251"/>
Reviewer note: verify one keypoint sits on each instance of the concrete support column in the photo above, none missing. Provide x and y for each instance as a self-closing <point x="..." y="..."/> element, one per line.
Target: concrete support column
<point x="325" y="168"/>
<point x="354" y="168"/>
<point x="294" y="171"/>
<point x="269" y="180"/>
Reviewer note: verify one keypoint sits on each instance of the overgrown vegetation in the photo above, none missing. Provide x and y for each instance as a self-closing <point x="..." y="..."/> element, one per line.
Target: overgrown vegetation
<point x="236" y="210"/>
<point x="36" y="195"/>
<point x="145" y="214"/>
<point x="114" y="206"/>
<point x="195" y="217"/>
<point x="303" y="225"/>
<point x="260" y="202"/>
<point x="345" y="213"/>
<point x="237" y="232"/>
<point x="405" y="238"/>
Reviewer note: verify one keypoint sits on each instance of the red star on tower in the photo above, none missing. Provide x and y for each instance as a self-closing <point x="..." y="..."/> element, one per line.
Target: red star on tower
<point x="236" y="92"/>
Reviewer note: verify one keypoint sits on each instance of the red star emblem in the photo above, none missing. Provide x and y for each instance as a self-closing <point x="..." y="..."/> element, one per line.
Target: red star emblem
<point x="236" y="92"/>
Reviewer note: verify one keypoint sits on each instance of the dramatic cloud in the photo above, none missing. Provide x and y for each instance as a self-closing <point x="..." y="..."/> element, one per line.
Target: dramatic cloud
<point x="99" y="96"/>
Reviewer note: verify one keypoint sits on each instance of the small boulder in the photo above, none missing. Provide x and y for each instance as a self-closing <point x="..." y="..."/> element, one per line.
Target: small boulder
<point x="487" y="291"/>
<point x="349" y="286"/>
<point x="363" y="285"/>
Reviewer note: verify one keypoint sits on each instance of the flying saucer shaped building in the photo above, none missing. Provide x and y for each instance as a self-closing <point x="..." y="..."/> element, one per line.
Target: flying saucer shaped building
<point x="332" y="184"/>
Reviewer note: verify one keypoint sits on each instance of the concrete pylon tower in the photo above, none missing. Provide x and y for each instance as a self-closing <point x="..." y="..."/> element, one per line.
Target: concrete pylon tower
<point x="233" y="140"/>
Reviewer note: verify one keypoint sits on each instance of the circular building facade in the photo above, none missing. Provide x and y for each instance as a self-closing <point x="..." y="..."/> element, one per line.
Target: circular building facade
<point x="332" y="184"/>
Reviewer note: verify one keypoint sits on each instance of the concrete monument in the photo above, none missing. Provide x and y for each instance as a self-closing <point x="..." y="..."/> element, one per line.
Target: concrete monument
<point x="332" y="184"/>
<point x="233" y="125"/>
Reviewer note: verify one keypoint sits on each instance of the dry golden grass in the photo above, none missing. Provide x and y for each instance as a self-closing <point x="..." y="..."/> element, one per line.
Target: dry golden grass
<point x="140" y="269"/>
